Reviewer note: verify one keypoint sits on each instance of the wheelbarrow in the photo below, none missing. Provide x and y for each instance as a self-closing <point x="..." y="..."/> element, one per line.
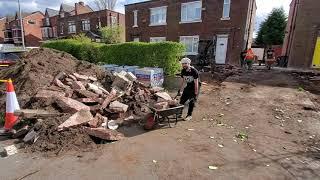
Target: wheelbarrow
<point x="160" y="117"/>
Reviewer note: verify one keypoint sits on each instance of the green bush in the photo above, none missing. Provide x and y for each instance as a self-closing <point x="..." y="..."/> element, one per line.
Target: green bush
<point x="164" y="55"/>
<point x="82" y="50"/>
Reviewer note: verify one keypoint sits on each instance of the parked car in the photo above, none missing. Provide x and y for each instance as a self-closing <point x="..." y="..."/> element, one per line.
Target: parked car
<point x="9" y="58"/>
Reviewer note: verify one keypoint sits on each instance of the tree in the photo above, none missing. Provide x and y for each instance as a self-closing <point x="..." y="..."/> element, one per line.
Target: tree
<point x="111" y="34"/>
<point x="272" y="30"/>
<point x="105" y="4"/>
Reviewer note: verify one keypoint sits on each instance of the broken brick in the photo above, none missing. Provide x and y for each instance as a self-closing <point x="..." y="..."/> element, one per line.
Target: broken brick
<point x="91" y="78"/>
<point x="72" y="77"/>
<point x="86" y="94"/>
<point x="58" y="83"/>
<point x="96" y="121"/>
<point x="46" y="94"/>
<point x="117" y="106"/>
<point x="81" y="117"/>
<point x="78" y="85"/>
<point x="81" y="77"/>
<point x="107" y="101"/>
<point x="164" y="96"/>
<point x="69" y="105"/>
<point x="105" y="134"/>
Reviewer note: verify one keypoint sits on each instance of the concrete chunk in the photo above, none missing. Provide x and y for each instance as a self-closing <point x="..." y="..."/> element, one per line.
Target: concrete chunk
<point x="94" y="88"/>
<point x="121" y="82"/>
<point x="118" y="106"/>
<point x="105" y="134"/>
<point x="81" y="117"/>
<point x="10" y="150"/>
<point x="131" y="76"/>
<point x="69" y="105"/>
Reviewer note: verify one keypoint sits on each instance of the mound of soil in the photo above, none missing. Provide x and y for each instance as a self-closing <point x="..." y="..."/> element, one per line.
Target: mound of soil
<point x="37" y="69"/>
<point x="54" y="142"/>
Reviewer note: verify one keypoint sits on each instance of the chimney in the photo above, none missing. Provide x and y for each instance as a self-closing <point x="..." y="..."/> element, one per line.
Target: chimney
<point x="77" y="7"/>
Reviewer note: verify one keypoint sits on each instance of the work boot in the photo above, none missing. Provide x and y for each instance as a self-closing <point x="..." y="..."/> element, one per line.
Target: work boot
<point x="188" y="118"/>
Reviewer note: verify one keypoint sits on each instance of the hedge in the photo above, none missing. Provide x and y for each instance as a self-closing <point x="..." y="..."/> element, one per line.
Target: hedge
<point x="164" y="55"/>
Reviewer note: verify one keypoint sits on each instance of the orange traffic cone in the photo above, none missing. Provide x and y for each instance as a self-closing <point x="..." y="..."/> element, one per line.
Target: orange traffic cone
<point x="11" y="106"/>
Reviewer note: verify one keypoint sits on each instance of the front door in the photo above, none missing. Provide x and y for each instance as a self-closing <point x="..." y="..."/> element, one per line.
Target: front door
<point x="316" y="56"/>
<point x="221" y="49"/>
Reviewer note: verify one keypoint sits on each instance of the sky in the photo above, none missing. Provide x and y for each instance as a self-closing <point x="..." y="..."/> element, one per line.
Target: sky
<point x="10" y="6"/>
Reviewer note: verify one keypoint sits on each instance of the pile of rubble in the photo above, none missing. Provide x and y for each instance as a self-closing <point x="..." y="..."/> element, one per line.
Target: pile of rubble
<point x="75" y="110"/>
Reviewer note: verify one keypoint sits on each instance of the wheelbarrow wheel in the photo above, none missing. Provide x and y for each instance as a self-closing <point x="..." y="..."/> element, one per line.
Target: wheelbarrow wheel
<point x="149" y="122"/>
<point x="172" y="122"/>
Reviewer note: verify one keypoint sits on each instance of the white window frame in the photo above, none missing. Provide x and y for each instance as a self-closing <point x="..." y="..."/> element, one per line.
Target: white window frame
<point x="226" y="9"/>
<point x="47" y="21"/>
<point x="136" y="39"/>
<point x="195" y="44"/>
<point x="85" y="24"/>
<point x="72" y="27"/>
<point x="154" y="12"/>
<point x="157" y="39"/>
<point x="114" y="20"/>
<point x="184" y="15"/>
<point x="135" y="18"/>
<point x="61" y="28"/>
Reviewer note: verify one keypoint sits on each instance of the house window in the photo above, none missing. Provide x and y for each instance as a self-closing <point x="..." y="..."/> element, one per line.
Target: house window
<point x="157" y="39"/>
<point x="136" y="39"/>
<point x="47" y="21"/>
<point x="158" y="16"/>
<point x="61" y="28"/>
<point x="135" y="18"/>
<point x="86" y="25"/>
<point x="71" y="27"/>
<point x="44" y="33"/>
<point x="191" y="12"/>
<point x="191" y="43"/>
<point x="226" y="9"/>
<point x="113" y="21"/>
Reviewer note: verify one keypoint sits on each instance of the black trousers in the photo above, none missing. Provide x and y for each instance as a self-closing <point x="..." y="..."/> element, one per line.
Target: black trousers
<point x="188" y="94"/>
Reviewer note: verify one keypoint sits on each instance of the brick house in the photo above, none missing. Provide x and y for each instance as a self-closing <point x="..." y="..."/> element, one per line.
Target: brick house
<point x="32" y="23"/>
<point x="302" y="41"/>
<point x="82" y="19"/>
<point x="2" y="27"/>
<point x="228" y="23"/>
<point x="49" y="28"/>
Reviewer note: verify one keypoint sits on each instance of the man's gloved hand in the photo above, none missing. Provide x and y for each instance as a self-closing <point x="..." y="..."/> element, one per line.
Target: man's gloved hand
<point x="179" y="93"/>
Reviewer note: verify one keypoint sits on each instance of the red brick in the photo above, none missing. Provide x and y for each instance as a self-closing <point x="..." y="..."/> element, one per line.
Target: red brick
<point x="105" y="134"/>
<point x="81" y="117"/>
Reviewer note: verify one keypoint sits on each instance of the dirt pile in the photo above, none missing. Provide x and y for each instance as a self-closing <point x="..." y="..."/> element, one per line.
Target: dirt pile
<point x="69" y="104"/>
<point x="38" y="68"/>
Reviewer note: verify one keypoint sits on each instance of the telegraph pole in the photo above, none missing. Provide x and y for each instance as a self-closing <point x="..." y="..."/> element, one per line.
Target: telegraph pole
<point x="22" y="29"/>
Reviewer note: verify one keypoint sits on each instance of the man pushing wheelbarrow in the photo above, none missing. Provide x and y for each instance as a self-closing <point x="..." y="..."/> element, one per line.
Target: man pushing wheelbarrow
<point x="189" y="87"/>
<point x="190" y="90"/>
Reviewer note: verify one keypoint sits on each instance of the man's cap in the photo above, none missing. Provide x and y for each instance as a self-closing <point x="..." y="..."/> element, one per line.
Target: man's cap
<point x="185" y="61"/>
